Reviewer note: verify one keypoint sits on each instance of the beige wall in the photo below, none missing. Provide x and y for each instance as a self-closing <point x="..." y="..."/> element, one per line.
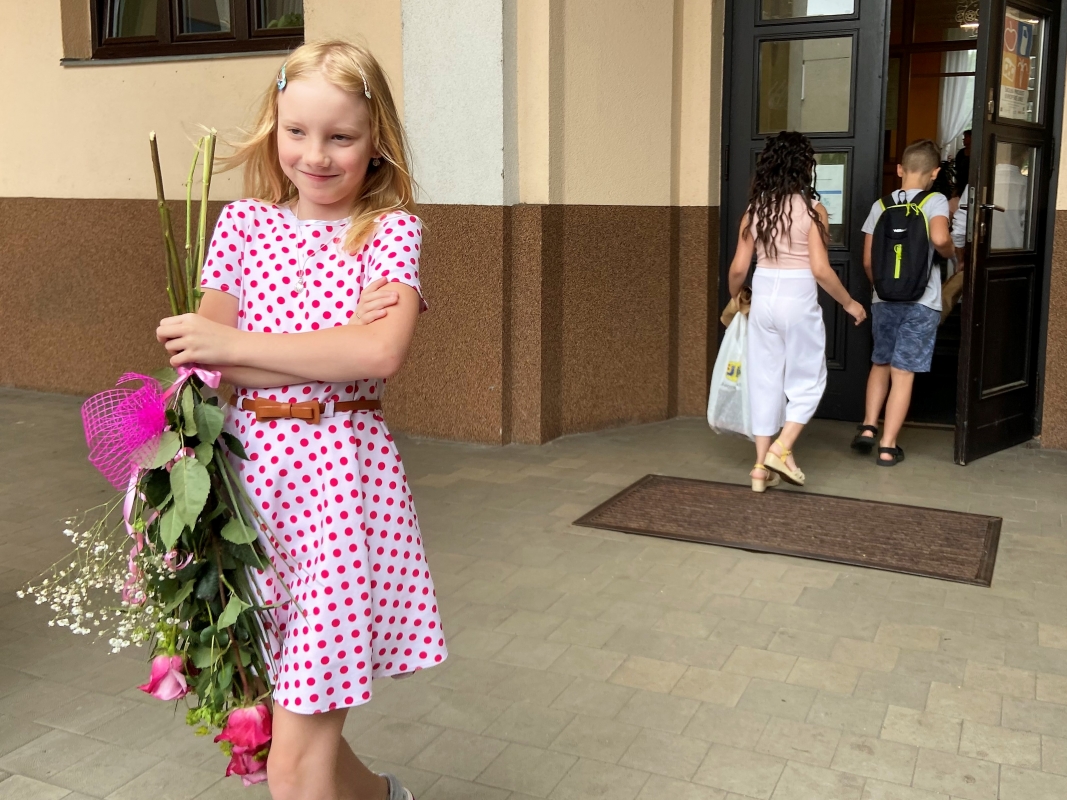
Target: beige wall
<point x="615" y="101"/>
<point x="82" y="131"/>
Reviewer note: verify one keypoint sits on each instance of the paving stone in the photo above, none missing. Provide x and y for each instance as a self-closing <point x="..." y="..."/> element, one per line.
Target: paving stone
<point x="1000" y="745"/>
<point x="520" y="768"/>
<point x="594" y="780"/>
<point x="855" y="715"/>
<point x="1054" y="755"/>
<point x="865" y="655"/>
<point x="875" y="758"/>
<point x="592" y="737"/>
<point x="1031" y="715"/>
<point x="922" y="729"/>
<point x="1000" y="680"/>
<point x="648" y="674"/>
<point x="458" y="754"/>
<point x="892" y="688"/>
<point x="826" y="676"/>
<point x="659" y="787"/>
<point x="665" y="754"/>
<point x="1052" y="688"/>
<point x="741" y="771"/>
<point x="528" y="723"/>
<point x="1025" y="784"/>
<point x="19" y="787"/>
<point x="729" y="726"/>
<point x="777" y="699"/>
<point x="908" y="637"/>
<point x="448" y="788"/>
<point x="659" y="712"/>
<point x="798" y="741"/>
<point x="803" y="781"/>
<point x="956" y="776"/>
<point x="803" y="643"/>
<point x="592" y="698"/>
<point x="880" y="790"/>
<point x="955" y="701"/>
<point x="712" y="686"/>
<point x="760" y="664"/>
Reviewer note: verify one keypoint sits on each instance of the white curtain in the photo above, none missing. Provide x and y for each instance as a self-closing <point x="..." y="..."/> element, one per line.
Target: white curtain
<point x="223" y="7"/>
<point x="957" y="99"/>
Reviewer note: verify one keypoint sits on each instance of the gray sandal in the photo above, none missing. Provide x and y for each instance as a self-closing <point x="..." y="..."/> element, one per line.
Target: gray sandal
<point x="396" y="788"/>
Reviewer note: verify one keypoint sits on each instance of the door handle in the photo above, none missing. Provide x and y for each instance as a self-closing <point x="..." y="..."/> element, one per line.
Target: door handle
<point x="992" y="207"/>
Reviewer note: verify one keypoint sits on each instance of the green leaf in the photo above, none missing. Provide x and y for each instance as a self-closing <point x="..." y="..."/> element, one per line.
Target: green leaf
<point x="188" y="411"/>
<point x="170" y="527"/>
<point x="208" y="585"/>
<point x="233" y="610"/>
<point x="233" y="444"/>
<point x="207" y="634"/>
<point x="204" y="657"/>
<point x="204" y="451"/>
<point x="246" y="554"/>
<point x="237" y="532"/>
<point x="157" y="488"/>
<point x="172" y="419"/>
<point x="169" y="444"/>
<point x="185" y="590"/>
<point x="225" y="677"/>
<point x="190" y="483"/>
<point x="209" y="420"/>
<point x="166" y="376"/>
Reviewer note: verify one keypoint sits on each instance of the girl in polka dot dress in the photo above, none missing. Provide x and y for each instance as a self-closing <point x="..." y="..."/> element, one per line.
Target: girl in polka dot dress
<point x="292" y="281"/>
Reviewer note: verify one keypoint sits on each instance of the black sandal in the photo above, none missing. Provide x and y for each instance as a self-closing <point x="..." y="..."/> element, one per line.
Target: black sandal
<point x="864" y="444"/>
<point x="896" y="452"/>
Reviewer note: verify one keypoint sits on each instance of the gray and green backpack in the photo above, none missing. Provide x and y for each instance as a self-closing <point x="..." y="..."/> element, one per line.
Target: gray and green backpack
<point x="900" y="251"/>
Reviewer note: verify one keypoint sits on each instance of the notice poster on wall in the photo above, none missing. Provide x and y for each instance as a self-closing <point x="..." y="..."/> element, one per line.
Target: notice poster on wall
<point x="1015" y="66"/>
<point x="830" y="184"/>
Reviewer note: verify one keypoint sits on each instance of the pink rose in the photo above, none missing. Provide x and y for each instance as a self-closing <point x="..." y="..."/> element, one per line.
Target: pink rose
<point x="167" y="681"/>
<point x="243" y="762"/>
<point x="247" y="728"/>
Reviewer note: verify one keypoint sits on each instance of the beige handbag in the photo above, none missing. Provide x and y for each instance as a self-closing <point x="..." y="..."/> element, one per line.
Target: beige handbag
<point x="742" y="303"/>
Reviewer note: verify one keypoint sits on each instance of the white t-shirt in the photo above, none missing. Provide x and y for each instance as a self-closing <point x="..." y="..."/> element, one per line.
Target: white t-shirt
<point x="936" y="206"/>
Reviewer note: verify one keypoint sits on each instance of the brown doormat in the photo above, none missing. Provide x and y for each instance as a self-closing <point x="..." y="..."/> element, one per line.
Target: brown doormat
<point x="917" y="541"/>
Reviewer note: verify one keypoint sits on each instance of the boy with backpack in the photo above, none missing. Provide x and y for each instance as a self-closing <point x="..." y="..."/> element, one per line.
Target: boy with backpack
<point x="903" y="232"/>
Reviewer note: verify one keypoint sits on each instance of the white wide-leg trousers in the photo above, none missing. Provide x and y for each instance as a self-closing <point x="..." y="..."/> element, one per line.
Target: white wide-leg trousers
<point x="786" y="349"/>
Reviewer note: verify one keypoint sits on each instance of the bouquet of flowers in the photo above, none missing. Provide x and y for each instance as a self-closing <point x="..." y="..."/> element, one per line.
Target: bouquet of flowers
<point x="168" y="562"/>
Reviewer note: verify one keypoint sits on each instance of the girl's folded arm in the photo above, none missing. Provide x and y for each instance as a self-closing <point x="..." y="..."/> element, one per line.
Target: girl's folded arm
<point x="222" y="307"/>
<point x="342" y="353"/>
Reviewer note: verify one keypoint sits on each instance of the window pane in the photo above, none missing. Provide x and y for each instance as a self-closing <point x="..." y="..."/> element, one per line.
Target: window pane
<point x="791" y="9"/>
<point x="1013" y="190"/>
<point x="132" y="18"/>
<point x="1021" y="66"/>
<point x="831" y="182"/>
<point x="945" y="20"/>
<point x="805" y="85"/>
<point x="280" y="13"/>
<point x="204" y="16"/>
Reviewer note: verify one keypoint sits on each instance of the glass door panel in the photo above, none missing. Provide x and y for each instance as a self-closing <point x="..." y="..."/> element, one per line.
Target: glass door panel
<point x="805" y="85"/>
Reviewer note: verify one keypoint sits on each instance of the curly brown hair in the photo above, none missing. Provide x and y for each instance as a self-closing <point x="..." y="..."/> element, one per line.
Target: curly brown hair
<point x="785" y="167"/>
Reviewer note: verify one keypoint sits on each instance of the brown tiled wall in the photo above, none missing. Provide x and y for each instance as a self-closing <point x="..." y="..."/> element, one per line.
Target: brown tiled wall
<point x="1054" y="416"/>
<point x="545" y="320"/>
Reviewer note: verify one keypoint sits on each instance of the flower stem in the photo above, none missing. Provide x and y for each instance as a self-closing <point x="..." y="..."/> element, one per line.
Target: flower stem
<point x="175" y="286"/>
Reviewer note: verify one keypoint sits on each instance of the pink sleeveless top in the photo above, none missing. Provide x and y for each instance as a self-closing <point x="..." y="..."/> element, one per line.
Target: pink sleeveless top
<point x="793" y="243"/>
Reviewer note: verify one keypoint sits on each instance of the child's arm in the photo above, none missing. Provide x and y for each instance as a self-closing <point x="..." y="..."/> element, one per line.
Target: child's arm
<point x="346" y="352"/>
<point x="940" y="237"/>
<point x="742" y="257"/>
<point x="824" y="273"/>
<point x="222" y="308"/>
<point x="868" y="246"/>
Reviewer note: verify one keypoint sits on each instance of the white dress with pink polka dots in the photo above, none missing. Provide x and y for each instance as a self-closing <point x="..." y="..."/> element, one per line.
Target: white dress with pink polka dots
<point x="353" y="592"/>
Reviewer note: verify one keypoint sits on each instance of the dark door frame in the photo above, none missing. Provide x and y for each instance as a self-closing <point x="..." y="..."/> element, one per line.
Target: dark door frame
<point x="843" y="400"/>
<point x="1057" y="98"/>
<point x="963" y="453"/>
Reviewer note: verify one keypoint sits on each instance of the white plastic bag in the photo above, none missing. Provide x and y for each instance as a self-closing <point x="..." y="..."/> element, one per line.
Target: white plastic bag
<point x="728" y="405"/>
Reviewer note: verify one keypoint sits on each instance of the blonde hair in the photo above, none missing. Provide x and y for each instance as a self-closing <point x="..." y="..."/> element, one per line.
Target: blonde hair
<point x="388" y="187"/>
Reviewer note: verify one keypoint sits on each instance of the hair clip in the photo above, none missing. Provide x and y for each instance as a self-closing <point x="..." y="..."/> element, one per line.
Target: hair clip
<point x="366" y="89"/>
<point x="281" y="79"/>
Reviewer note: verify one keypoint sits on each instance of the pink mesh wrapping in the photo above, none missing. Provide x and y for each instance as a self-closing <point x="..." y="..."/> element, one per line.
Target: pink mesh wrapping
<point x="121" y="426"/>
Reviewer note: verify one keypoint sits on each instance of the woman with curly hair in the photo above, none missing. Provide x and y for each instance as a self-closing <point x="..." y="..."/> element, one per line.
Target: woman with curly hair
<point x="786" y="227"/>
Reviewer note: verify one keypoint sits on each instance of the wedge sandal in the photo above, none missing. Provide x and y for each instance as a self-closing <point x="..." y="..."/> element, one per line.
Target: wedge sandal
<point x="777" y="463"/>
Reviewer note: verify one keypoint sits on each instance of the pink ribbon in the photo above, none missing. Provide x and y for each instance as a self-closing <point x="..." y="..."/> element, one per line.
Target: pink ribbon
<point x="209" y="376"/>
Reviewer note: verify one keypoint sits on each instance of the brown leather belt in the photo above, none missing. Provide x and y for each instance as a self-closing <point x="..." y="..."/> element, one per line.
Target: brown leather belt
<point x="310" y="410"/>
